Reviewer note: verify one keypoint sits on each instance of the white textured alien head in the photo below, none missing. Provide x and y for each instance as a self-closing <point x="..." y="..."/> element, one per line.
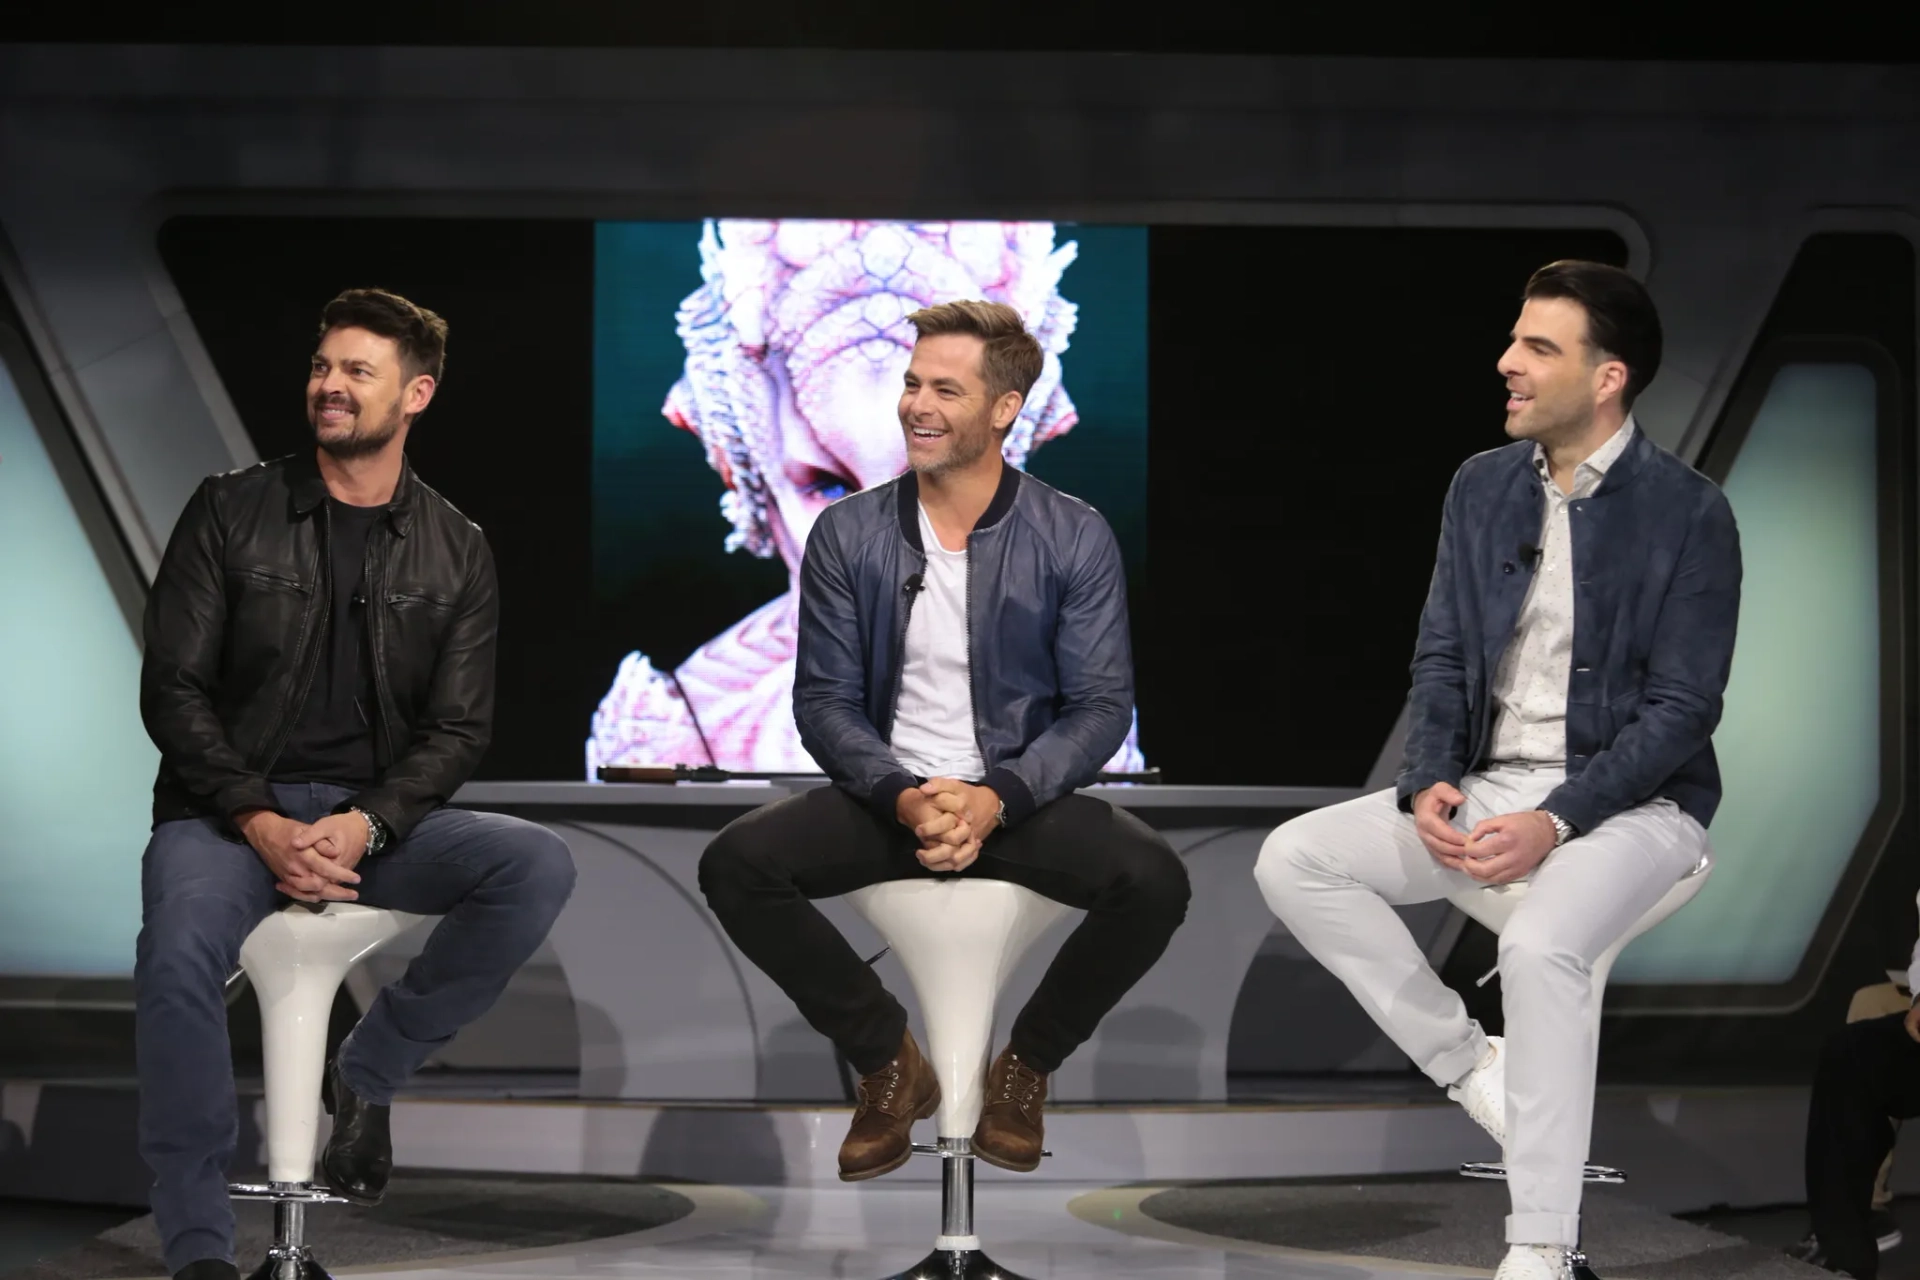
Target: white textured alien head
<point x="807" y="317"/>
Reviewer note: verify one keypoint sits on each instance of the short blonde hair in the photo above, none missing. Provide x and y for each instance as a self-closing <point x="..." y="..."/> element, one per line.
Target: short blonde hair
<point x="1012" y="359"/>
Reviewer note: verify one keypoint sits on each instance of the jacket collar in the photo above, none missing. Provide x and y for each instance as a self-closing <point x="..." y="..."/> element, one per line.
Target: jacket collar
<point x="909" y="504"/>
<point x="310" y="490"/>
<point x="1619" y="474"/>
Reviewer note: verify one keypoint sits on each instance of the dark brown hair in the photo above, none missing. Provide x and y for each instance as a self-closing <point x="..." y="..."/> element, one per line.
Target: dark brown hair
<point x="1012" y="360"/>
<point x="1621" y="320"/>
<point x="419" y="333"/>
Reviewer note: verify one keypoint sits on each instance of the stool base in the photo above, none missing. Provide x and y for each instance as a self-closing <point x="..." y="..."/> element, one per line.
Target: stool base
<point x="290" y="1264"/>
<point x="288" y="1258"/>
<point x="955" y="1264"/>
<point x="1593" y="1174"/>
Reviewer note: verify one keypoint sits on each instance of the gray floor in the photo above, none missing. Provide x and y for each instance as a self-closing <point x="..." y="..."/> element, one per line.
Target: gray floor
<point x="421" y="1218"/>
<point x="33" y="1229"/>
<point x="1452" y="1221"/>
<point x="1781" y="1226"/>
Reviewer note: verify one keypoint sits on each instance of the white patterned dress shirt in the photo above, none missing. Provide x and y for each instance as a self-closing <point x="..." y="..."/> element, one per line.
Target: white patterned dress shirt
<point x="1530" y="684"/>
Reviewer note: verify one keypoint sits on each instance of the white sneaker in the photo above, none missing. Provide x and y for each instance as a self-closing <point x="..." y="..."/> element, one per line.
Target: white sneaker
<point x="1484" y="1093"/>
<point x="1535" y="1262"/>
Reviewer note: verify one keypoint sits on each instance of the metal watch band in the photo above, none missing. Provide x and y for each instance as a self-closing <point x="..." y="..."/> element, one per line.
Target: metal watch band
<point x="376" y="832"/>
<point x="1562" y="829"/>
<point x="1000" y="815"/>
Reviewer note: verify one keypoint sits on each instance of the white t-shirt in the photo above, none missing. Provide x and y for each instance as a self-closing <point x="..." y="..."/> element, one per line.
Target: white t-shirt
<point x="933" y="733"/>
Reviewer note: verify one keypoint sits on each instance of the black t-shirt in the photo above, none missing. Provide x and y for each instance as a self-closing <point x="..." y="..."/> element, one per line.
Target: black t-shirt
<point x="333" y="739"/>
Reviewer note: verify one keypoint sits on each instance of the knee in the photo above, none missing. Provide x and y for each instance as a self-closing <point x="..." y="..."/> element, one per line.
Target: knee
<point x="1529" y="949"/>
<point x="1154" y="878"/>
<point x="1284" y="864"/>
<point x="193" y="940"/>
<point x="543" y="865"/>
<point x="732" y="868"/>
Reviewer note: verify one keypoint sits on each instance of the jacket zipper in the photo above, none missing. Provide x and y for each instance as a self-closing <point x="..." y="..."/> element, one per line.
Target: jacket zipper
<point x="900" y="653"/>
<point x="376" y="641"/>
<point x="973" y="706"/>
<point x="323" y="604"/>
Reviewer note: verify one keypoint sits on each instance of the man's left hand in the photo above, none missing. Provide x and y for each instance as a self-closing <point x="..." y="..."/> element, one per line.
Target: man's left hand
<point x="339" y="837"/>
<point x="979" y="807"/>
<point x="1508" y="848"/>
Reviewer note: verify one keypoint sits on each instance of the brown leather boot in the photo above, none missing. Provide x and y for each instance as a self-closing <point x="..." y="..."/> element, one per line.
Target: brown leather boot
<point x="1010" y="1133"/>
<point x="891" y="1099"/>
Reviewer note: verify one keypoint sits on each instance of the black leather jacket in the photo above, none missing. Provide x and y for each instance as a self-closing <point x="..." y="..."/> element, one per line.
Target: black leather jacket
<point x="236" y="628"/>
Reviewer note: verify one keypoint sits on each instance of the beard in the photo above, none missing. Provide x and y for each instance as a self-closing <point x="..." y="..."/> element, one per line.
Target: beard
<point x="964" y="448"/>
<point x="360" y="441"/>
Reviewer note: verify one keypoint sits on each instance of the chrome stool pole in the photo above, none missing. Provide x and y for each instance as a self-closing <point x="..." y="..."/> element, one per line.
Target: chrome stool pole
<point x="942" y="931"/>
<point x="295" y="960"/>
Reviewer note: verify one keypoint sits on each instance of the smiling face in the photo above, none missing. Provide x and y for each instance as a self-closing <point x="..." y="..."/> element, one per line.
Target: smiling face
<point x="359" y="394"/>
<point x="1556" y="379"/>
<point x="949" y="419"/>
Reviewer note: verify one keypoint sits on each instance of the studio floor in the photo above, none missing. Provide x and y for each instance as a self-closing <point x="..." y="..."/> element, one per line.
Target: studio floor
<point x="497" y="1228"/>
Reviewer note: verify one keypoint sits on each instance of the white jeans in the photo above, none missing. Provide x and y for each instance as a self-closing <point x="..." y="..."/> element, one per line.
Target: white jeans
<point x="1333" y="876"/>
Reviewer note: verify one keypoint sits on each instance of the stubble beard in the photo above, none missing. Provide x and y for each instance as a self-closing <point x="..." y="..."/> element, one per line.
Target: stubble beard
<point x="963" y="450"/>
<point x="1550" y="426"/>
<point x="359" y="443"/>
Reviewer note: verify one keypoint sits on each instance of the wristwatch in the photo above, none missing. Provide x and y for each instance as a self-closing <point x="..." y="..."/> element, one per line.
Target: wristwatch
<point x="1000" y="815"/>
<point x="376" y="832"/>
<point x="1562" y="829"/>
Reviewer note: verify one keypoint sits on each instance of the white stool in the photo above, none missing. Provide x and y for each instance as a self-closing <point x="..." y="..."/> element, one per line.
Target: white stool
<point x="1494" y="905"/>
<point x="959" y="940"/>
<point x="295" y="960"/>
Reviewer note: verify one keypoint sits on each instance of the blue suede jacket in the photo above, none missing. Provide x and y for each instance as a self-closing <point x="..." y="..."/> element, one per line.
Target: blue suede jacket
<point x="1656" y="599"/>
<point x="1051" y="663"/>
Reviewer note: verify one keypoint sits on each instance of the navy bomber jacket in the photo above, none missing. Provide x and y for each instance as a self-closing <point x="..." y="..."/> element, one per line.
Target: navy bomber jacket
<point x="1656" y="567"/>
<point x="1051" y="662"/>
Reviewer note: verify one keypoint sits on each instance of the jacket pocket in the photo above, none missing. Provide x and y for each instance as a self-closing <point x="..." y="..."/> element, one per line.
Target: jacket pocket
<point x="404" y="600"/>
<point x="262" y="578"/>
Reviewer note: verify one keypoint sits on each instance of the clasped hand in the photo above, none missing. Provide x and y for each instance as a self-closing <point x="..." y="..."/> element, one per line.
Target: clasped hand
<point x="310" y="861"/>
<point x="950" y="819"/>
<point x="1497" y="851"/>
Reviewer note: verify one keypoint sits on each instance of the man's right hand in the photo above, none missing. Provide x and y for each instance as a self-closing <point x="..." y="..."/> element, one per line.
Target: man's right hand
<point x="304" y="874"/>
<point x="1432" y="818"/>
<point x="946" y="841"/>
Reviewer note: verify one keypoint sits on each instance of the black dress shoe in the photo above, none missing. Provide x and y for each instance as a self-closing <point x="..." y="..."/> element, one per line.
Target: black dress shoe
<point x="208" y="1269"/>
<point x="359" y="1155"/>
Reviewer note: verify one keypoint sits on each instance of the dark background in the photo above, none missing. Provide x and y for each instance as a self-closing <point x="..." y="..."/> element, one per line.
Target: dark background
<point x="507" y="438"/>
<point x="1307" y="406"/>
<point x="1312" y="392"/>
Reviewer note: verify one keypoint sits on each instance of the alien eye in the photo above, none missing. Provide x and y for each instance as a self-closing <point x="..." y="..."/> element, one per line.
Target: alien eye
<point x="826" y="484"/>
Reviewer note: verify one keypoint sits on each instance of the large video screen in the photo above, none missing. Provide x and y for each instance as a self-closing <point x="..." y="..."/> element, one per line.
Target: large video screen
<point x="646" y="417"/>
<point x="746" y="375"/>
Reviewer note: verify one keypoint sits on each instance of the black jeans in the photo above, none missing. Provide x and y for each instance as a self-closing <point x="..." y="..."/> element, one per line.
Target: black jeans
<point x="761" y="873"/>
<point x="1869" y="1077"/>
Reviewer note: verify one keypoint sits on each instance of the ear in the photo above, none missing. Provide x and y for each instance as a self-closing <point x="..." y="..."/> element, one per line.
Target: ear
<point x="1006" y="409"/>
<point x="418" y="394"/>
<point x="1609" y="381"/>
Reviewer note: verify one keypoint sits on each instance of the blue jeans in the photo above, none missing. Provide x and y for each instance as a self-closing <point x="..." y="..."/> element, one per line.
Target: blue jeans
<point x="497" y="882"/>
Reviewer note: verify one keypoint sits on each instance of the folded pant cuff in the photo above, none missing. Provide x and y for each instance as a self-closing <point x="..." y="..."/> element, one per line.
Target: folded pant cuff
<point x="1544" y="1228"/>
<point x="1452" y="1066"/>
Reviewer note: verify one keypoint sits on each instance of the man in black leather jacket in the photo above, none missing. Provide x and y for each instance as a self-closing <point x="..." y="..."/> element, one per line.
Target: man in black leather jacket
<point x="963" y="668"/>
<point x="318" y="676"/>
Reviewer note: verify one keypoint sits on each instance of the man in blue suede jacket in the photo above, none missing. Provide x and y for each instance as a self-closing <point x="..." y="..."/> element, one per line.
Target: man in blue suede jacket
<point x="963" y="667"/>
<point x="1566" y="683"/>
